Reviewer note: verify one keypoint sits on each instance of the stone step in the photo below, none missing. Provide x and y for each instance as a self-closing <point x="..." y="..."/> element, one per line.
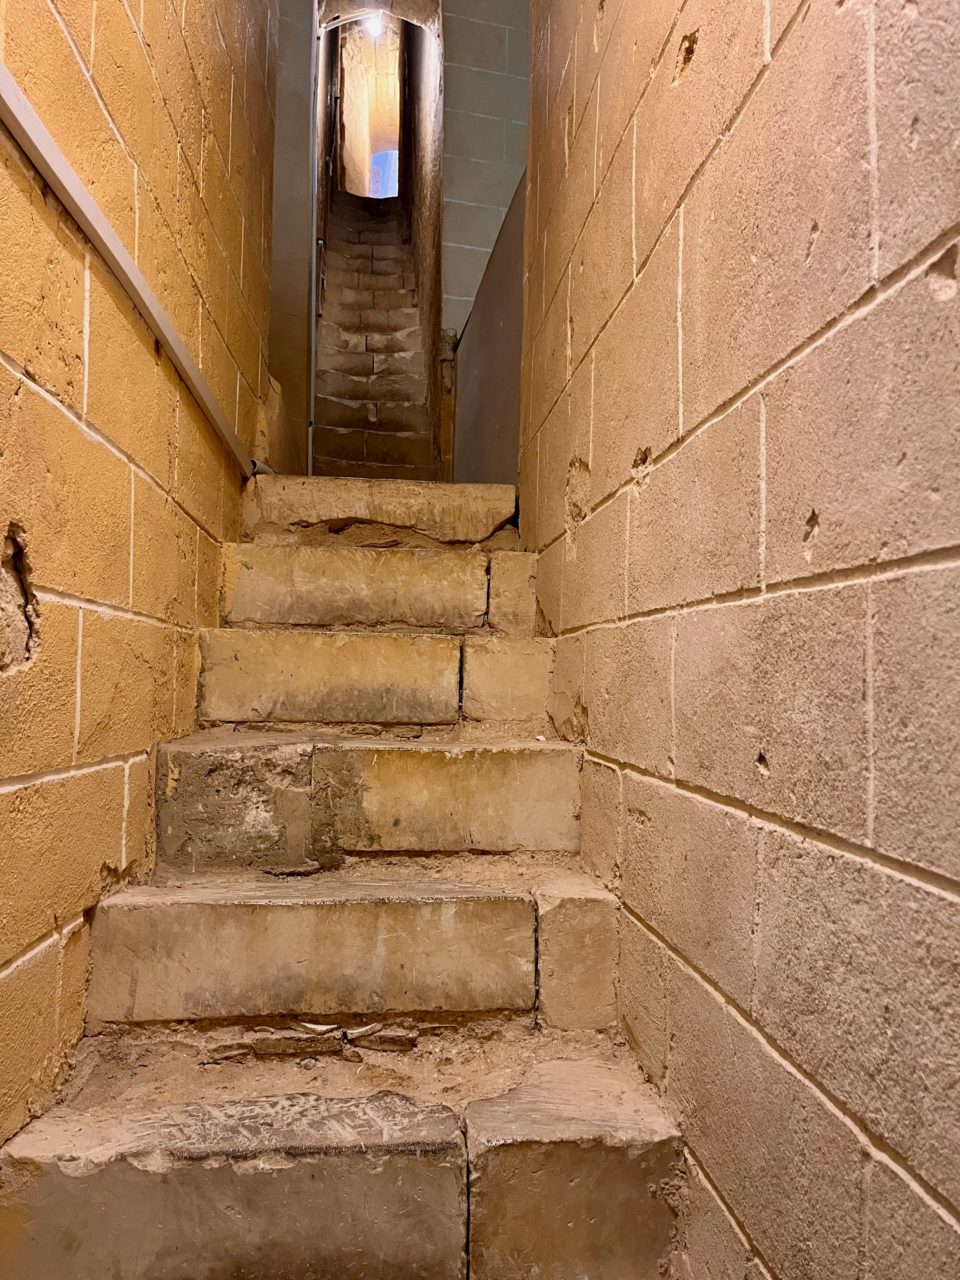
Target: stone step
<point x="341" y="678"/>
<point x="286" y="1186"/>
<point x="372" y="415"/>
<point x="568" y="1177"/>
<point x="339" y="468"/>
<point x="293" y="508"/>
<point x="324" y="947"/>
<point x="405" y="386"/>
<point x="341" y="586"/>
<point x="375" y="445"/>
<point x="168" y="1167"/>
<point x="267" y="799"/>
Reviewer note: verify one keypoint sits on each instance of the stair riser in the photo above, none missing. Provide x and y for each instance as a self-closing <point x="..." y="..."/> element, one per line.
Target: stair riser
<point x="321" y="587"/>
<point x="171" y="960"/>
<point x="283" y="804"/>
<point x="333" y="679"/>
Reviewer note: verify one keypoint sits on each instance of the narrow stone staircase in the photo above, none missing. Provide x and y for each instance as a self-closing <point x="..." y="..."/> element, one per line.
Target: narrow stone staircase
<point x="371" y="412"/>
<point x="362" y="1021"/>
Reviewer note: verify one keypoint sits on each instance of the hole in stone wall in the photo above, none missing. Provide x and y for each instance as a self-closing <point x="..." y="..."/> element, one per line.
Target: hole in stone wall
<point x="18" y="610"/>
<point x="762" y="764"/>
<point x="688" y="47"/>
<point x="811" y="525"/>
<point x="942" y="275"/>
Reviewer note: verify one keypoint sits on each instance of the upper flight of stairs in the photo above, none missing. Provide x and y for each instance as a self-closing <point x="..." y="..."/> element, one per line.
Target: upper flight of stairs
<point x="371" y="410"/>
<point x="362" y="1023"/>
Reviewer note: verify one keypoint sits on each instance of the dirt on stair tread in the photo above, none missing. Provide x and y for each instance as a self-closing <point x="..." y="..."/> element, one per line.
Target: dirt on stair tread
<point x="130" y="1070"/>
<point x="454" y="739"/>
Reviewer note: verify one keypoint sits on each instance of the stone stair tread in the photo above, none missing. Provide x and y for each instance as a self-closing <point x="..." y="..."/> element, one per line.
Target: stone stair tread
<point x="221" y="737"/>
<point x="445" y="512"/>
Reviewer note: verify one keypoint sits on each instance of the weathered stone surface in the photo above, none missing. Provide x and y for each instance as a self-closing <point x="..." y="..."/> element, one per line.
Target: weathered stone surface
<point x="793" y="1170"/>
<point x="288" y="507"/>
<point x="565" y="1177"/>
<point x="689" y="870"/>
<point x="513" y="593"/>
<point x="770" y="705"/>
<point x="600" y="821"/>
<point x="239" y="948"/>
<point x="917" y="718"/>
<point x="711" y="1246"/>
<point x="367" y="679"/>
<point x="844" y="947"/>
<point x="423" y="798"/>
<point x="255" y="799"/>
<point x="347" y="586"/>
<point x="577" y="933"/>
<point x="595" y="567"/>
<point x="642" y="993"/>
<point x="297" y="1186"/>
<point x="905" y="1233"/>
<point x="506" y="678"/>
<point x="626" y="690"/>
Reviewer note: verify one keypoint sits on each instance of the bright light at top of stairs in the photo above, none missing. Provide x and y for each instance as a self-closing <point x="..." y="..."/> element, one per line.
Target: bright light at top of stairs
<point x="374" y="25"/>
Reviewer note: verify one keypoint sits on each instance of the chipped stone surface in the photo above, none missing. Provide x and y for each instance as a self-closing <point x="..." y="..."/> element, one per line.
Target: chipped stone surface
<point x="239" y="948"/>
<point x="506" y="678"/>
<point x="286" y="508"/>
<point x="361" y="1188"/>
<point x="578" y="941"/>
<point x="355" y="586"/>
<point x="273" y="799"/>
<point x="340" y="678"/>
<point x="593" y="1145"/>
<point x="513" y="595"/>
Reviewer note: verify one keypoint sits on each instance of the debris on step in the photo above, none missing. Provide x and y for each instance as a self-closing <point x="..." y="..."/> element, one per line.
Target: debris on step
<point x="383" y="1039"/>
<point x="267" y="1042"/>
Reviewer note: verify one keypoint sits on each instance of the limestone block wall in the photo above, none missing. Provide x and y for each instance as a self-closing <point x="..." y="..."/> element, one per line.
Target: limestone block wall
<point x="485" y="70"/>
<point x="115" y="494"/>
<point x="740" y="464"/>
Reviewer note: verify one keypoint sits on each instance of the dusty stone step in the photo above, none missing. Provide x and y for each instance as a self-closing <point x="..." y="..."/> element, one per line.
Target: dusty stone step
<point x="288" y="507"/>
<point x="266" y="799"/>
<point x="240" y="948"/>
<point x="513" y="593"/>
<point x="371" y="415"/>
<point x="405" y="385"/>
<point x="402" y="341"/>
<point x="336" y="678"/>
<point x="289" y="1186"/>
<point x="343" y="586"/>
<point x="506" y="678"/>
<point x="336" y="468"/>
<point x="567" y="1177"/>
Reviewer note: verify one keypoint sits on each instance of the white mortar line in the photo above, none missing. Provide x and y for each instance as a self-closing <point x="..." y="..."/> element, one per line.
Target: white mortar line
<point x="762" y="502"/>
<point x="86" y="334"/>
<point x="108" y="610"/>
<point x="126" y="810"/>
<point x="868" y="678"/>
<point x="36" y="948"/>
<point x="60" y="775"/>
<point x="680" y="228"/>
<point x="76" y="692"/>
<point x="133" y="512"/>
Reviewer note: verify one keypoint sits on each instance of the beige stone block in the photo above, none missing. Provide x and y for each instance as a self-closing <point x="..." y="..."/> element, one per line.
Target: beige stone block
<point x="377" y="1187"/>
<point x="333" y="586"/>
<point x="791" y="247"/>
<point x="637" y="375"/>
<point x="695" y="519"/>
<point x="200" y="475"/>
<point x="321" y="948"/>
<point x="600" y="821"/>
<point x="604" y="260"/>
<point x="139" y="824"/>
<point x="786" y="1162"/>
<point x="565" y="705"/>
<point x="589" y="1140"/>
<point x="41" y="310"/>
<point x="38" y="700"/>
<point x="711" y="1246"/>
<point x="905" y="1233"/>
<point x="68" y="494"/>
<point x="550" y="357"/>
<point x="209" y="555"/>
<point x="219" y="367"/>
<point x="164" y="557"/>
<point x="557" y="447"/>
<point x="578" y="949"/>
<point x="862" y="453"/>
<point x="770" y="705"/>
<point x="132" y="395"/>
<point x="626" y="692"/>
<point x="127" y="682"/>
<point x="712" y="57"/>
<point x="917" y="50"/>
<point x="282" y="506"/>
<point x="370" y="799"/>
<point x="689" y="870"/>
<point x="160" y="257"/>
<point x="505" y="678"/>
<point x="513" y="593"/>
<point x="344" y="677"/>
<point x="643" y="996"/>
<point x="58" y="89"/>
<point x="185" y="662"/>
<point x="60" y="838"/>
<point x="28" y="1048"/>
<point x="845" y="948"/>
<point x="595" y="568"/>
<point x="917" y="718"/>
<point x="74" y="976"/>
<point x="549" y="599"/>
<point x="569" y="213"/>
